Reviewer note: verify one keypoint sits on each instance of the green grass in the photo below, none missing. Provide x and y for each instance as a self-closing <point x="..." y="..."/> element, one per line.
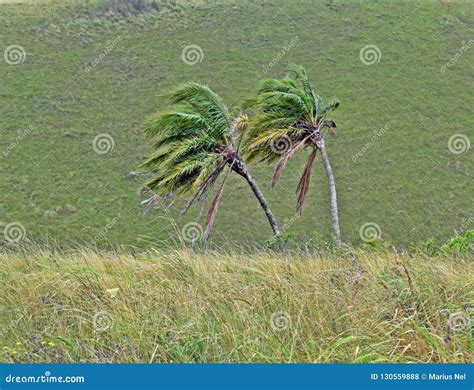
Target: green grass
<point x="408" y="182"/>
<point x="176" y="306"/>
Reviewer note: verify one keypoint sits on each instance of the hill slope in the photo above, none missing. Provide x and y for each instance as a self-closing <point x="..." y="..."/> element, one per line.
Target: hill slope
<point x="97" y="69"/>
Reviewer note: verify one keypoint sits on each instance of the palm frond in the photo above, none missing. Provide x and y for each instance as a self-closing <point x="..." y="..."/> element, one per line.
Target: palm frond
<point x="283" y="161"/>
<point x="288" y="107"/>
<point x="203" y="183"/>
<point x="301" y="75"/>
<point x="239" y="127"/>
<point x="303" y="185"/>
<point x="270" y="136"/>
<point x="213" y="208"/>
<point x="203" y="100"/>
<point x="187" y="139"/>
<point x="169" y="123"/>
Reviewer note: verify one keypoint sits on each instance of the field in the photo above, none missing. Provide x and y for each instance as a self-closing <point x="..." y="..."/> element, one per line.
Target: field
<point x="90" y="69"/>
<point x="86" y="275"/>
<point x="177" y="306"/>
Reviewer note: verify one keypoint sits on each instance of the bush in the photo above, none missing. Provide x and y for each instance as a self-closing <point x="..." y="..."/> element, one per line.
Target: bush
<point x="131" y="7"/>
<point x="460" y="245"/>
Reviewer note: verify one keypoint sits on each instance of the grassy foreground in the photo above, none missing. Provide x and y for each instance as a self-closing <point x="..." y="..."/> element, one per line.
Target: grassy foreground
<point x="185" y="307"/>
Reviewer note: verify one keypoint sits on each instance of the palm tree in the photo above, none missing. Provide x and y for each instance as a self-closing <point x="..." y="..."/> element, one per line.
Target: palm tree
<point x="194" y="141"/>
<point x="290" y="114"/>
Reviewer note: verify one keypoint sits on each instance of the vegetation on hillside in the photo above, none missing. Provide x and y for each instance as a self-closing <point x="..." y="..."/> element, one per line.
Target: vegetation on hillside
<point x="91" y="69"/>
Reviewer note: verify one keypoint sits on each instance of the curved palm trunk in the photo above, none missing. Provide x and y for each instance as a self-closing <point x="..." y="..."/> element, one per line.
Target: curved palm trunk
<point x="262" y="201"/>
<point x="332" y="189"/>
<point x="239" y="167"/>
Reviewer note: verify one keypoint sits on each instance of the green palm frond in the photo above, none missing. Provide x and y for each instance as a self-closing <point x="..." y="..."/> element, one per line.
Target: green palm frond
<point x="210" y="164"/>
<point x="328" y="107"/>
<point x="204" y="101"/>
<point x="187" y="140"/>
<point x="270" y="136"/>
<point x="286" y="107"/>
<point x="170" y="123"/>
<point x="286" y="85"/>
<point x="301" y="75"/>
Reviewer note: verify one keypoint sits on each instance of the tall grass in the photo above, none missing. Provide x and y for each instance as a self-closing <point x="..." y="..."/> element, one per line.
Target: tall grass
<point x="178" y="306"/>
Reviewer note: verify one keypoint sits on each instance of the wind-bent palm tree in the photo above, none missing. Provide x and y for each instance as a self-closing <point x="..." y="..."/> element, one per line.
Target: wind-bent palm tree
<point x="290" y="116"/>
<point x="194" y="140"/>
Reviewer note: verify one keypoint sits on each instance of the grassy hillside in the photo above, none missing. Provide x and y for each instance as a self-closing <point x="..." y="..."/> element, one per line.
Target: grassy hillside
<point x="92" y="68"/>
<point x="182" y="307"/>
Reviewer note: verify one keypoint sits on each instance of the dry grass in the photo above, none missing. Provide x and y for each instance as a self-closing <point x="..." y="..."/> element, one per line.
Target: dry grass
<point x="184" y="307"/>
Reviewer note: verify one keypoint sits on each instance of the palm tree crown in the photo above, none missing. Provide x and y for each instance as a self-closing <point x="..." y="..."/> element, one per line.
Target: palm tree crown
<point x="193" y="141"/>
<point x="189" y="140"/>
<point x="289" y="115"/>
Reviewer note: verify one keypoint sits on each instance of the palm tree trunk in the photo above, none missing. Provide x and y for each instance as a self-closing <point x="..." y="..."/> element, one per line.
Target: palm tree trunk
<point x="332" y="189"/>
<point x="237" y="164"/>
<point x="262" y="201"/>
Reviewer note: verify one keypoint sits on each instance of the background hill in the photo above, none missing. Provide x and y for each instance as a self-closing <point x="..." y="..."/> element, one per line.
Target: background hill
<point x="89" y="68"/>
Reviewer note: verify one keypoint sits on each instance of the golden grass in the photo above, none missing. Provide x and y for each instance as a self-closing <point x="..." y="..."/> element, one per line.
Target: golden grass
<point x="186" y="307"/>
